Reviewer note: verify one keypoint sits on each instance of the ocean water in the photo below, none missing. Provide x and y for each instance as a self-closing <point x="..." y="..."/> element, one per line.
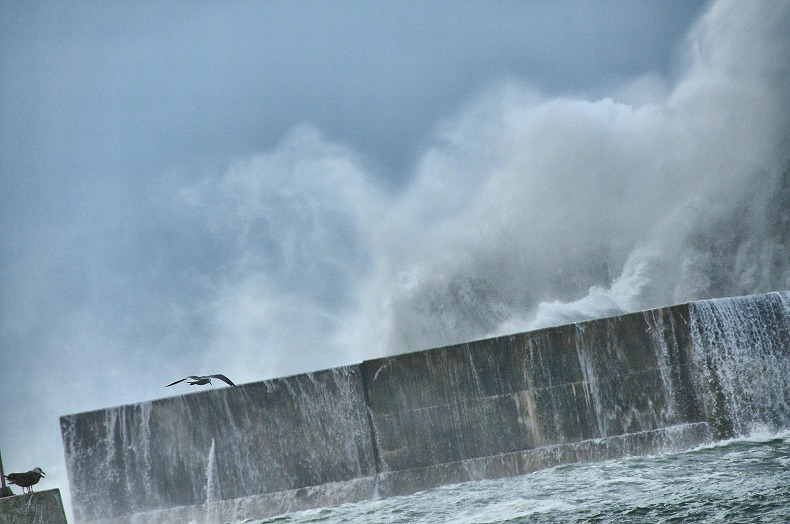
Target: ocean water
<point x="737" y="481"/>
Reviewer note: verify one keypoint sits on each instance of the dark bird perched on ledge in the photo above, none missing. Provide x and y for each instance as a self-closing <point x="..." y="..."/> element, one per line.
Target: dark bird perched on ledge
<point x="26" y="480"/>
<point x="194" y="380"/>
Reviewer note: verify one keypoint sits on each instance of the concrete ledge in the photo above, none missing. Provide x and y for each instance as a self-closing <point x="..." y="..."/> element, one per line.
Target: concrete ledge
<point x="39" y="507"/>
<point x="665" y="440"/>
<point x="262" y="506"/>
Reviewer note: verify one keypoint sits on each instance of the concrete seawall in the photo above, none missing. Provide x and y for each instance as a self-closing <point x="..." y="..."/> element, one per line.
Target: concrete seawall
<point x="39" y="507"/>
<point x="659" y="380"/>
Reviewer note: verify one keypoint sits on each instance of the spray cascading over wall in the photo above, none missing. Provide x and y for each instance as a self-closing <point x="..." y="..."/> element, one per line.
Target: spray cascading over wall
<point x="742" y="353"/>
<point x="662" y="379"/>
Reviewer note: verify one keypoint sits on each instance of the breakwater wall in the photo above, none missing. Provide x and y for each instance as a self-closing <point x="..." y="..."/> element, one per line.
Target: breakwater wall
<point x="659" y="380"/>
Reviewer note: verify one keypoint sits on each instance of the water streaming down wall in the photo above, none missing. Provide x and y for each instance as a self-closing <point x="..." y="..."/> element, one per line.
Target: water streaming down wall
<point x="226" y="444"/>
<point x="663" y="379"/>
<point x="743" y="357"/>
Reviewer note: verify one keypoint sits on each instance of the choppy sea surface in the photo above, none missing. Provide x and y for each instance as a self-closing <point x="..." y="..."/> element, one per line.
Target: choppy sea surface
<point x="737" y="481"/>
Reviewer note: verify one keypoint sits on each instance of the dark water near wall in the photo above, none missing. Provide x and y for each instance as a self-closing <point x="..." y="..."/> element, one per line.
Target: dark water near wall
<point x="742" y="480"/>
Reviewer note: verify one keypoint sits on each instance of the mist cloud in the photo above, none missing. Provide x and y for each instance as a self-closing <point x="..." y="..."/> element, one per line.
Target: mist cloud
<point x="294" y="225"/>
<point x="528" y="210"/>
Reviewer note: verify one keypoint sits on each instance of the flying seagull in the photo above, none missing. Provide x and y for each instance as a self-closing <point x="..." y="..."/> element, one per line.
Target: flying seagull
<point x="195" y="380"/>
<point x="25" y="480"/>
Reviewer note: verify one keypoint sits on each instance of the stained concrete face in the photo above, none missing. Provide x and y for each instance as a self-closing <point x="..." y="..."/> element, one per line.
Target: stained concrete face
<point x="643" y="382"/>
<point x="39" y="507"/>
<point x="222" y="444"/>
<point x="554" y="386"/>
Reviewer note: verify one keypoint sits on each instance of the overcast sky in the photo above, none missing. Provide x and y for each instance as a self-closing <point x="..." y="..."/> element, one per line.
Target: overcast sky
<point x="261" y="189"/>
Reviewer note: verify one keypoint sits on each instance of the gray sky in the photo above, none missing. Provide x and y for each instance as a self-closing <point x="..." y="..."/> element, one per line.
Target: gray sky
<point x="261" y="189"/>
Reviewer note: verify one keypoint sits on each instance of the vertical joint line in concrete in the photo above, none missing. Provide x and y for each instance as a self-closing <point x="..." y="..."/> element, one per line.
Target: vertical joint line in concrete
<point x="373" y="438"/>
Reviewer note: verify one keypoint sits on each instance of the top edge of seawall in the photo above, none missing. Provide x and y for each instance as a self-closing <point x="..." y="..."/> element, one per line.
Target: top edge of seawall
<point x="578" y="323"/>
<point x="349" y="368"/>
<point x="780" y="294"/>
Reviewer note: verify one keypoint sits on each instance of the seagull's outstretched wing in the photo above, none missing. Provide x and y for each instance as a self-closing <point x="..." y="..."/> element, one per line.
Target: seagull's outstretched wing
<point x="224" y="379"/>
<point x="183" y="379"/>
